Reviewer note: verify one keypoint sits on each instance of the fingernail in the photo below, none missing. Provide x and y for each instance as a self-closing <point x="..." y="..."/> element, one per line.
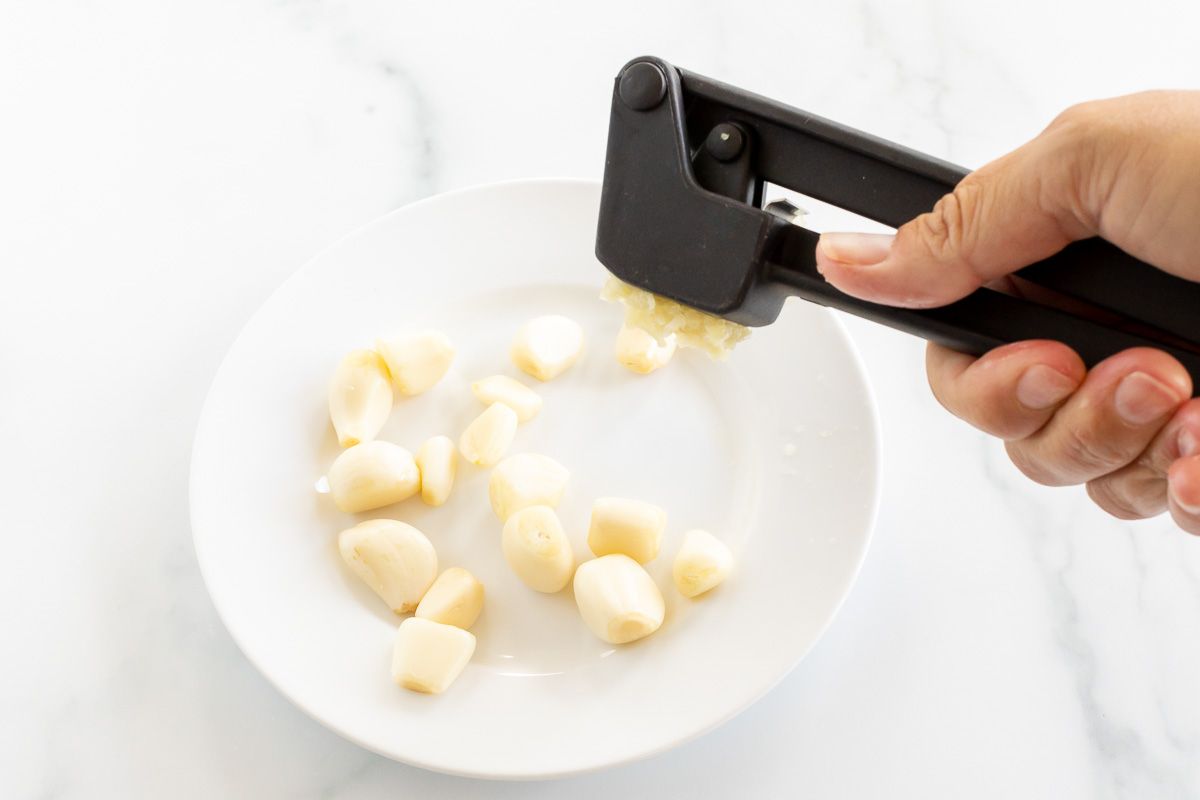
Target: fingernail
<point x="1141" y="399"/>
<point x="1188" y="507"/>
<point x="856" y="249"/>
<point x="1041" y="387"/>
<point x="1189" y="445"/>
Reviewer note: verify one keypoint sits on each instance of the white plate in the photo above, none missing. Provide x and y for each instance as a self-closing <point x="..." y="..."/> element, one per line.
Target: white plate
<point x="774" y="451"/>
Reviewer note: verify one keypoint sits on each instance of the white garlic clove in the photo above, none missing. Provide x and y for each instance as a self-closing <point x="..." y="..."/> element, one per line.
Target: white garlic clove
<point x="631" y="527"/>
<point x="537" y="550"/>
<point x="395" y="559"/>
<point x="438" y="462"/>
<point x="416" y="360"/>
<point x="618" y="599"/>
<point x="640" y="352"/>
<point x="703" y="562"/>
<point x="514" y="394"/>
<point x="489" y="435"/>
<point x="523" y="480"/>
<point x="455" y="598"/>
<point x="360" y="397"/>
<point x="373" y="475"/>
<point x="546" y="346"/>
<point x="429" y="656"/>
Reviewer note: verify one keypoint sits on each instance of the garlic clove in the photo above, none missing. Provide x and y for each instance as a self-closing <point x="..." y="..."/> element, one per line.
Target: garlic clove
<point x="455" y="598"/>
<point x="373" y="475"/>
<point x="523" y="480"/>
<point x="429" y="656"/>
<point x="438" y="462"/>
<point x="618" y="599"/>
<point x="545" y="347"/>
<point x="395" y="559"/>
<point x="489" y="435"/>
<point x="514" y="394"/>
<point x="416" y="360"/>
<point x="537" y="550"/>
<point x="360" y="397"/>
<point x="632" y="527"/>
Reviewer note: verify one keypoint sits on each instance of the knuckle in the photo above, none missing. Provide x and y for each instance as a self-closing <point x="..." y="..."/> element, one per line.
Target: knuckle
<point x="1030" y="466"/>
<point x="1118" y="502"/>
<point x="982" y="405"/>
<point x="941" y="394"/>
<point x="1077" y="117"/>
<point x="949" y="228"/>
<point x="1187" y="522"/>
<point x="1083" y="451"/>
<point x="1126" y="116"/>
<point x="1074" y="456"/>
<point x="949" y="397"/>
<point x="1000" y="421"/>
<point x="1081" y="162"/>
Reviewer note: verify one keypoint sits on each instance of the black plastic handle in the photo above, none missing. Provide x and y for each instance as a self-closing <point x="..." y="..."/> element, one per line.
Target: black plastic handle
<point x="892" y="184"/>
<point x="983" y="320"/>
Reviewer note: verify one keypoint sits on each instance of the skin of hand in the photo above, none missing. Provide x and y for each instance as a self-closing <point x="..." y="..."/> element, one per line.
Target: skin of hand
<point x="1126" y="169"/>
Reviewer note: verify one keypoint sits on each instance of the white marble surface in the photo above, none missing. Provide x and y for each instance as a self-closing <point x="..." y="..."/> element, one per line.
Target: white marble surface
<point x="164" y="165"/>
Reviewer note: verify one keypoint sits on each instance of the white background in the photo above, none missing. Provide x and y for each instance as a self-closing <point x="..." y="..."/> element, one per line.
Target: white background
<point x="163" y="166"/>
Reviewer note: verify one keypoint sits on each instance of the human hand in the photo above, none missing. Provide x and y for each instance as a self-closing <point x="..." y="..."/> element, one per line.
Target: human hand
<point x="1126" y="169"/>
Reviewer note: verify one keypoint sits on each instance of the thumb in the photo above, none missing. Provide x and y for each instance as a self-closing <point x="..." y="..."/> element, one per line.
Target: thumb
<point x="1009" y="214"/>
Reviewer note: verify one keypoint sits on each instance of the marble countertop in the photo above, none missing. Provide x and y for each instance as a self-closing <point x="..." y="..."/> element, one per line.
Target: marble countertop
<point x="165" y="165"/>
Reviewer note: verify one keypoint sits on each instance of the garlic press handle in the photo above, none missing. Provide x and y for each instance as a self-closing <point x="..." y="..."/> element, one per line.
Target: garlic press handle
<point x="892" y="184"/>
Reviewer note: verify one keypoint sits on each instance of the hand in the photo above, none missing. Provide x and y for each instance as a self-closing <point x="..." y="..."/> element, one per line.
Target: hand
<point x="1127" y="170"/>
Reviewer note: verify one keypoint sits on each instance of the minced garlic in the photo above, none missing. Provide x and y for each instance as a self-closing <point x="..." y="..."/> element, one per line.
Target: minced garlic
<point x="660" y="317"/>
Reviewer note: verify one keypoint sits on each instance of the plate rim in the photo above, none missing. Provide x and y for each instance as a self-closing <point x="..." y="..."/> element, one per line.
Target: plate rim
<point x="204" y="422"/>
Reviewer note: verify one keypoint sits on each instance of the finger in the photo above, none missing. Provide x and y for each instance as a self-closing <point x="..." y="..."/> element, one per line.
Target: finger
<point x="1009" y="214"/>
<point x="1183" y="480"/>
<point x="1010" y="392"/>
<point x="1139" y="490"/>
<point x="1108" y="421"/>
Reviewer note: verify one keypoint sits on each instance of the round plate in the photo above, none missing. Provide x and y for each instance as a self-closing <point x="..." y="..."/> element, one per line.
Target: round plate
<point x="774" y="451"/>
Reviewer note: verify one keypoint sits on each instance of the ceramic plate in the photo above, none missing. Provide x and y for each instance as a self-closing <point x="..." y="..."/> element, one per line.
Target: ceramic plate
<point x="774" y="451"/>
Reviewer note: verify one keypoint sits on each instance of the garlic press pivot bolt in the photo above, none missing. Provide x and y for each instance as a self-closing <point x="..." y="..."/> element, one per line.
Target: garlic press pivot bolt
<point x="681" y="215"/>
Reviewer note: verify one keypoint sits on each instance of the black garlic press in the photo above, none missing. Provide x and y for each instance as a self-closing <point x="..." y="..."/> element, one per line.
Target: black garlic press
<point x="682" y="215"/>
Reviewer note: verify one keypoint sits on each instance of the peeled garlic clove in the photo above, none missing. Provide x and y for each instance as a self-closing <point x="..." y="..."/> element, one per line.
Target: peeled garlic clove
<point x="429" y="655"/>
<point x="360" y="397"/>
<point x="640" y="352"/>
<point x="373" y="475"/>
<point x="523" y="480"/>
<point x="536" y="548"/>
<point x="546" y="346"/>
<point x="514" y="394"/>
<point x="618" y="599"/>
<point x="416" y="360"/>
<point x="455" y="598"/>
<point x="489" y="435"/>
<point x="438" y="462"/>
<point x="626" y="526"/>
<point x="394" y="559"/>
<point x="703" y="561"/>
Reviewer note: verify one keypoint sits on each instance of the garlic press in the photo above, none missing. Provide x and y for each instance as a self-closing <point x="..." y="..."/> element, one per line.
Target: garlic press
<point x="682" y="215"/>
